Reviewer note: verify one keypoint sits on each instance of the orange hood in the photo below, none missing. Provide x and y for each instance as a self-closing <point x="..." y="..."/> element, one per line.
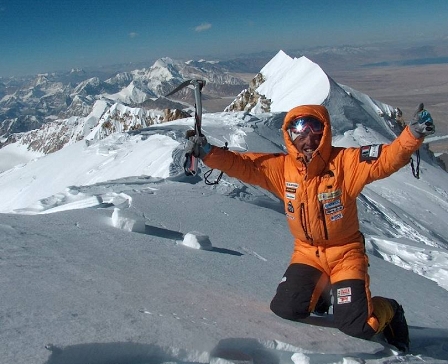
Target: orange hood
<point x="322" y="154"/>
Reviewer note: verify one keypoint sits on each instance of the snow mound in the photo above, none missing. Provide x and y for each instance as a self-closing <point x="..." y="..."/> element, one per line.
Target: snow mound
<point x="196" y="240"/>
<point x="128" y="220"/>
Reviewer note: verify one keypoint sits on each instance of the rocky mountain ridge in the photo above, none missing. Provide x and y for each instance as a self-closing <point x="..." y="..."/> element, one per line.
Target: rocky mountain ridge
<point x="29" y="103"/>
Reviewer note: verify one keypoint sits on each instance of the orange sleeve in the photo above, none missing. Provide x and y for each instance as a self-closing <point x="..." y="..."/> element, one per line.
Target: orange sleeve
<point x="262" y="169"/>
<point x="392" y="157"/>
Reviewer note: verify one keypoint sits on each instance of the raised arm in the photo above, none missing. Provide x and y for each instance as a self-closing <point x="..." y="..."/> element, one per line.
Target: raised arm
<point x="261" y="169"/>
<point x="373" y="162"/>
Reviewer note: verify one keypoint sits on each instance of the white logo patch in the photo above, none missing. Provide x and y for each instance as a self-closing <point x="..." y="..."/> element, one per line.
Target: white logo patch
<point x="290" y="196"/>
<point x="336" y="217"/>
<point x="374" y="151"/>
<point x="347" y="291"/>
<point x="342" y="300"/>
<point x="292" y="185"/>
<point x="344" y="295"/>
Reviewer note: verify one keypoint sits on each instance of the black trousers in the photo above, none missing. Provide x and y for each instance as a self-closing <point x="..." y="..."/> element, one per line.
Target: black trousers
<point x="302" y="285"/>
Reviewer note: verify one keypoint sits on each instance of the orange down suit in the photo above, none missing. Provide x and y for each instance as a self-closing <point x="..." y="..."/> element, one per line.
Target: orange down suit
<point x="320" y="201"/>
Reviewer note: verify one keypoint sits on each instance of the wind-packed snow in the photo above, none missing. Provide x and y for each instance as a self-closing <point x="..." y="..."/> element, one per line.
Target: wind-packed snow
<point x="110" y="254"/>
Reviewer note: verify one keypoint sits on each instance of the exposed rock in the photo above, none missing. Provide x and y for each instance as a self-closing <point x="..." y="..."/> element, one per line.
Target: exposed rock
<point x="250" y="98"/>
<point x="174" y="114"/>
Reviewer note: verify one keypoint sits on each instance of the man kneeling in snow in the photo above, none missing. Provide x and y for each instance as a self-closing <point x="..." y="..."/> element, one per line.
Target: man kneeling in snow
<point x="319" y="184"/>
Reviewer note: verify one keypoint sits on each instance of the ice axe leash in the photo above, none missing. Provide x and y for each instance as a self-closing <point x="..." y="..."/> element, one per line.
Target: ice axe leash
<point x="416" y="170"/>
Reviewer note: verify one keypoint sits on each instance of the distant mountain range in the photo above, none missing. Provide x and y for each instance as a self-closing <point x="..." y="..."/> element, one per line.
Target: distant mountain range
<point x="29" y="103"/>
<point x="48" y="111"/>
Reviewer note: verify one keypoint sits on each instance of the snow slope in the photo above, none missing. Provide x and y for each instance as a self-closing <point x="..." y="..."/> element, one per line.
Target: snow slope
<point x="109" y="253"/>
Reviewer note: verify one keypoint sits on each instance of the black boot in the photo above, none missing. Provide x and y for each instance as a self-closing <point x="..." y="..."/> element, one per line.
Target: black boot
<point x="396" y="332"/>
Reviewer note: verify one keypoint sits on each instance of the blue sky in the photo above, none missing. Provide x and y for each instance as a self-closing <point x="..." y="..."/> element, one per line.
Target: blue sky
<point x="49" y="35"/>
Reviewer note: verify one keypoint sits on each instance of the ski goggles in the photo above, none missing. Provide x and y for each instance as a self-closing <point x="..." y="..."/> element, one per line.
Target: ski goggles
<point x="304" y="126"/>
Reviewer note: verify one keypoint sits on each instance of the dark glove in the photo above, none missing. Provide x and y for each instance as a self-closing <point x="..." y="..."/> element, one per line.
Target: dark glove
<point x="197" y="145"/>
<point x="423" y="124"/>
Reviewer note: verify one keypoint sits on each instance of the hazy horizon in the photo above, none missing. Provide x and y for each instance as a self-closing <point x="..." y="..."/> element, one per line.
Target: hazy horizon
<point x="46" y="36"/>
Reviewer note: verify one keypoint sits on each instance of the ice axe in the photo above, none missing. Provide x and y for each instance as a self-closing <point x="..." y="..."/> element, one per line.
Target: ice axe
<point x="191" y="161"/>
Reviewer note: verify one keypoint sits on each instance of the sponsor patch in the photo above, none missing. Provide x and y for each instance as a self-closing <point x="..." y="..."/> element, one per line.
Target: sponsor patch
<point x="346" y="299"/>
<point x="370" y="152"/>
<point x="332" y="204"/>
<point x="329" y="195"/>
<point x="346" y="291"/>
<point x="344" y="295"/>
<point x="292" y="185"/>
<point x="333" y="210"/>
<point x="290" y="196"/>
<point x="290" y="189"/>
<point x="336" y="217"/>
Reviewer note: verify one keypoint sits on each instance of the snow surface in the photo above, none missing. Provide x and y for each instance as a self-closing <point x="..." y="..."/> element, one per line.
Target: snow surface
<point x="15" y="155"/>
<point x="110" y="254"/>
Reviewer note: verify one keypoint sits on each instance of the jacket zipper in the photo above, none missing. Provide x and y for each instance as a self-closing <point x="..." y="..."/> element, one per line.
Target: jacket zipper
<point x="304" y="222"/>
<point x="324" y="223"/>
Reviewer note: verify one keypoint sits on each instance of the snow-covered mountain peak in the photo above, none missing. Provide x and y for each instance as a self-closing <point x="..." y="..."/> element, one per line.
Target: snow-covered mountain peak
<point x="310" y="84"/>
<point x="121" y="79"/>
<point x="164" y="62"/>
<point x="163" y="70"/>
<point x="284" y="82"/>
<point x="77" y="71"/>
<point x="41" y="79"/>
<point x="189" y="62"/>
<point x="129" y="95"/>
